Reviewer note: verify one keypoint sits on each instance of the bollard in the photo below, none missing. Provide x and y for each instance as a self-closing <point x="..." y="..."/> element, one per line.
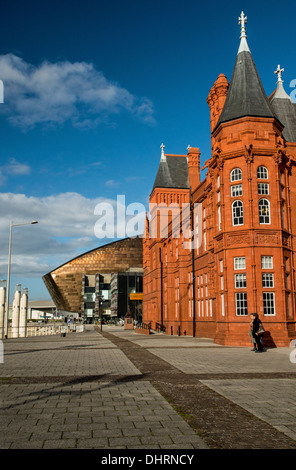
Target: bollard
<point x="63" y="331"/>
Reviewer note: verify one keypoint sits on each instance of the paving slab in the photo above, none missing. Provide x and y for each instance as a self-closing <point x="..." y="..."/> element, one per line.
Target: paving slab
<point x="115" y="389"/>
<point x="215" y="385"/>
<point x="82" y="392"/>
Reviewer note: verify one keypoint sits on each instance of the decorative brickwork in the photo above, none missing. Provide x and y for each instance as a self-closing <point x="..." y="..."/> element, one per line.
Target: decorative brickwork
<point x="244" y="260"/>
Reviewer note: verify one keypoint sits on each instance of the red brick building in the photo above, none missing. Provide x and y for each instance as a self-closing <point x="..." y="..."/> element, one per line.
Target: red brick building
<point x="243" y="217"/>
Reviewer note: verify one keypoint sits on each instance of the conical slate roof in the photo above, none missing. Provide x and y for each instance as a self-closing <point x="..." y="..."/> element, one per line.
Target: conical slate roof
<point x="285" y="110"/>
<point x="246" y="95"/>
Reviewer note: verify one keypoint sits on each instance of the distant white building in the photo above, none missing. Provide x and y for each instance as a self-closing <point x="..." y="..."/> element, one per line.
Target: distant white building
<point x="39" y="309"/>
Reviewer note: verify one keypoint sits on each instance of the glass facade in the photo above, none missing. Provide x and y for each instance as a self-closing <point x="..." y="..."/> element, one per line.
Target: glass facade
<point x="123" y="285"/>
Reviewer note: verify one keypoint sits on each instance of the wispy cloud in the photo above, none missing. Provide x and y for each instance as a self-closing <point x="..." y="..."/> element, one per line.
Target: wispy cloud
<point x="112" y="183"/>
<point x="54" y="93"/>
<point x="17" y="168"/>
<point x="14" y="168"/>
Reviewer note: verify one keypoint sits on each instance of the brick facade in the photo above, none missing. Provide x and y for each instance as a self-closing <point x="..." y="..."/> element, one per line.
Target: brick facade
<point x="246" y="221"/>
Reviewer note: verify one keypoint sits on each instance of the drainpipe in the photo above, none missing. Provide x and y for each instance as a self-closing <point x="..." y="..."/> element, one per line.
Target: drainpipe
<point x="193" y="270"/>
<point x="161" y="291"/>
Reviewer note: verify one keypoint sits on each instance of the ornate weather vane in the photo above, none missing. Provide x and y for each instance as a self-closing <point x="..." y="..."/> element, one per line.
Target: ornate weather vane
<point x="162" y="152"/>
<point x="278" y="72"/>
<point x="242" y="20"/>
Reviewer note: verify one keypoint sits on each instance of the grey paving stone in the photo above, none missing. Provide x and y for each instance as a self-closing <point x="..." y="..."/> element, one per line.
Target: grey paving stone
<point x="86" y="394"/>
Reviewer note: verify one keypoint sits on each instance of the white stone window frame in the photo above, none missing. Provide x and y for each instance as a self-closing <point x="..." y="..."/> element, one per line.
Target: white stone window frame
<point x="241" y="304"/>
<point x="240" y="281"/>
<point x="263" y="189"/>
<point x="237" y="190"/>
<point x="237" y="213"/>
<point x="267" y="280"/>
<point x="264" y="203"/>
<point x="262" y="172"/>
<point x="236" y="174"/>
<point x="239" y="262"/>
<point x="269" y="304"/>
<point x="266" y="262"/>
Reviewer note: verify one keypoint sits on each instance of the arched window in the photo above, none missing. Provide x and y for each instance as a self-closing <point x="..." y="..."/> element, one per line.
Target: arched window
<point x="236" y="174"/>
<point x="237" y="213"/>
<point x="264" y="211"/>
<point x="262" y="173"/>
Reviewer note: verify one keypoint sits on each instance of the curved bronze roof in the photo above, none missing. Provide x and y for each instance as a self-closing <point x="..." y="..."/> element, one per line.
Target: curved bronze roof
<point x="65" y="282"/>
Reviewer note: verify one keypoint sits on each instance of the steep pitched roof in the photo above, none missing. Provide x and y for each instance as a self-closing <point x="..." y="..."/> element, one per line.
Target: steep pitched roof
<point x="246" y="95"/>
<point x="285" y="110"/>
<point x="172" y="173"/>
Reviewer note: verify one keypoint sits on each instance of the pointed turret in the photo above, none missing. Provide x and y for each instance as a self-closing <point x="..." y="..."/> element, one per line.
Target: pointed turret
<point x="246" y="95"/>
<point x="284" y="108"/>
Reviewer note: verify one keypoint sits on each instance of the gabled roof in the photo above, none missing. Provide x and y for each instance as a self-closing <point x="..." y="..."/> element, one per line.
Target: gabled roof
<point x="172" y="173"/>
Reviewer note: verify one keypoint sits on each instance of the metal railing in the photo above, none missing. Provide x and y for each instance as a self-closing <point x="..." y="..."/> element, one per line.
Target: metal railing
<point x="144" y="326"/>
<point x="44" y="330"/>
<point x="159" y="327"/>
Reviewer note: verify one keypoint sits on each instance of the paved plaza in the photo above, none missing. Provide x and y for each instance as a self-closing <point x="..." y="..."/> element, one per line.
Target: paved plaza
<point x="116" y="389"/>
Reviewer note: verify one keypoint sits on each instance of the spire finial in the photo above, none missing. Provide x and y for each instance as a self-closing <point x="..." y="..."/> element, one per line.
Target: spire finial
<point x="280" y="91"/>
<point x="162" y="152"/>
<point x="278" y="72"/>
<point x="242" y="20"/>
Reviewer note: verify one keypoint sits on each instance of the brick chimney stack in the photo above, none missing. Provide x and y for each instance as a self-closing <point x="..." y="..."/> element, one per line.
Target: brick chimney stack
<point x="193" y="167"/>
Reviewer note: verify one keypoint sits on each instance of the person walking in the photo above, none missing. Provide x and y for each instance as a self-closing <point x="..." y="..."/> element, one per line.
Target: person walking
<point x="257" y="331"/>
<point x="253" y="340"/>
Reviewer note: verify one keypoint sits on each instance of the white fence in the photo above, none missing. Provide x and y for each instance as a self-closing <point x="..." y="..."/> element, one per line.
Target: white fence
<point x="45" y="330"/>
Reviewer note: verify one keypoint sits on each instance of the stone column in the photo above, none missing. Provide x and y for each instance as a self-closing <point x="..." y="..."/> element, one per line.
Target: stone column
<point x="16" y="311"/>
<point x="2" y="306"/>
<point x="23" y="314"/>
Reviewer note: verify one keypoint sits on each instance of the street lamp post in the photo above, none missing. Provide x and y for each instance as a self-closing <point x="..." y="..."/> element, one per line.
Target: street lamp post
<point x="100" y="309"/>
<point x="8" y="272"/>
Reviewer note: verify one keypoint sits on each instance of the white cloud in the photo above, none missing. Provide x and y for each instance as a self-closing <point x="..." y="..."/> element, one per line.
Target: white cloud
<point x="53" y="93"/>
<point x="112" y="183"/>
<point x="65" y="229"/>
<point x="16" y="168"/>
<point x="13" y="168"/>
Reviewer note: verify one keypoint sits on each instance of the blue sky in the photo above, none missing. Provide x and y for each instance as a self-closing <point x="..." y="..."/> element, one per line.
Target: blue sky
<point x="92" y="89"/>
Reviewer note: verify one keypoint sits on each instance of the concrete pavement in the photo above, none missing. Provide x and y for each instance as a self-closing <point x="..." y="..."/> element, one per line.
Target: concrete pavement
<point x="120" y="390"/>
